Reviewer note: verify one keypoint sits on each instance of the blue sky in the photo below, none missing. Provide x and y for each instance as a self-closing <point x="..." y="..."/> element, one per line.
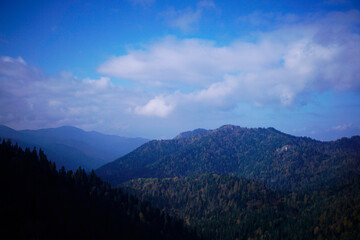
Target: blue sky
<point x="154" y="68"/>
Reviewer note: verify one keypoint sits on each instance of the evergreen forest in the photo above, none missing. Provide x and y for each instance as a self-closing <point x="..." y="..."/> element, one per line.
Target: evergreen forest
<point x="41" y="202"/>
<point x="248" y="183"/>
<point x="228" y="183"/>
<point x="225" y="207"/>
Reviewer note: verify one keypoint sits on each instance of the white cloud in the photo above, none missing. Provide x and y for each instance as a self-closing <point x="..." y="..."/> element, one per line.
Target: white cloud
<point x="280" y="67"/>
<point x="31" y="99"/>
<point x="7" y="59"/>
<point x="155" y="107"/>
<point x="219" y="95"/>
<point x="342" y="127"/>
<point x="96" y="86"/>
<point x="191" y="61"/>
<point x="103" y="82"/>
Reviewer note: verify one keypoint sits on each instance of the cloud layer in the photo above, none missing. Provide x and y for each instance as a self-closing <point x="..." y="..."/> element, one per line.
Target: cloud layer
<point x="182" y="78"/>
<point x="30" y="98"/>
<point x="280" y="67"/>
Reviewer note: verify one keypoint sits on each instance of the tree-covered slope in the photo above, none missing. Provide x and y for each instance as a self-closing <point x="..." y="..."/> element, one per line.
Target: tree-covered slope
<point x="279" y="160"/>
<point x="40" y="202"/>
<point x="190" y="134"/>
<point x="225" y="207"/>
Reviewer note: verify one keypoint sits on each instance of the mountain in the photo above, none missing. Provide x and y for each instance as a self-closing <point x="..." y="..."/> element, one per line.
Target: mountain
<point x="190" y="134"/>
<point x="226" y="207"/>
<point x="279" y="160"/>
<point x="72" y="147"/>
<point x="41" y="202"/>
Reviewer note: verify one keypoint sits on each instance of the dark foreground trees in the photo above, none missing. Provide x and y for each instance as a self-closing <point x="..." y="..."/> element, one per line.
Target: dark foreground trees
<point x="39" y="202"/>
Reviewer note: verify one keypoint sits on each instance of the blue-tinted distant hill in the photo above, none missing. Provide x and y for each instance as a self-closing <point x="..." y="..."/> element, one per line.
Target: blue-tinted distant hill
<point x="73" y="147"/>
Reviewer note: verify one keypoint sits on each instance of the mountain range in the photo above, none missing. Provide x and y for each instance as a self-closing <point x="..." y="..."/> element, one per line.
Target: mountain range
<point x="72" y="147"/>
<point x="248" y="183"/>
<point x="278" y="160"/>
<point x="227" y="183"/>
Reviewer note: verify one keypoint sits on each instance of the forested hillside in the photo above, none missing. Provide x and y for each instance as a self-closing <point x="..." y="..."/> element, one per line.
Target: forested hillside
<point x="225" y="207"/>
<point x="228" y="183"/>
<point x="39" y="202"/>
<point x="279" y="160"/>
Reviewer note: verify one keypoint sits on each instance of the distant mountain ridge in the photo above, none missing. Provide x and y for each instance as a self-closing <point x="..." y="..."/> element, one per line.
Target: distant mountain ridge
<point x="73" y="147"/>
<point x="279" y="160"/>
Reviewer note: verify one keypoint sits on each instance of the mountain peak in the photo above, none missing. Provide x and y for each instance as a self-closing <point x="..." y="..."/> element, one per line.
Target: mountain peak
<point x="189" y="134"/>
<point x="230" y="127"/>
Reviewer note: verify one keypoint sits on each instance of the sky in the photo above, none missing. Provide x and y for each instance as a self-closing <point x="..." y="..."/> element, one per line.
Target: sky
<point x="153" y="68"/>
